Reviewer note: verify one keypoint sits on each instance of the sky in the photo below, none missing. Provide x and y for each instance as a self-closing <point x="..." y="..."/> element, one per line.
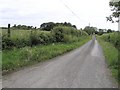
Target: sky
<point x="36" y="12"/>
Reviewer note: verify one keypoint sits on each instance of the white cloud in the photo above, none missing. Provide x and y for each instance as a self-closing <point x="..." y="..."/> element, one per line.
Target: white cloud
<point x="35" y="12"/>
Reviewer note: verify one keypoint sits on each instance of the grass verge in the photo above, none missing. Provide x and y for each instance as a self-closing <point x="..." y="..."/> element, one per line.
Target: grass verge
<point x="111" y="55"/>
<point x="17" y="58"/>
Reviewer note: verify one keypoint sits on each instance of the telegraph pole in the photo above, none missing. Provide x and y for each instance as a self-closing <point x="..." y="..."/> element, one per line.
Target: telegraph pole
<point x="89" y="24"/>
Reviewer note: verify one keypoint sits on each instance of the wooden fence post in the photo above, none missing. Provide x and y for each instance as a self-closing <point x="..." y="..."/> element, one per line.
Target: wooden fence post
<point x="8" y="30"/>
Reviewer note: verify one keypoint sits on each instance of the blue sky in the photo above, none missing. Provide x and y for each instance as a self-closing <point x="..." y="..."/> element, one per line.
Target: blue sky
<point x="36" y="12"/>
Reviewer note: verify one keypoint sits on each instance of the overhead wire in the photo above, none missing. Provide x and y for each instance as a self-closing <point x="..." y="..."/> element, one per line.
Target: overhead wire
<point x="77" y="16"/>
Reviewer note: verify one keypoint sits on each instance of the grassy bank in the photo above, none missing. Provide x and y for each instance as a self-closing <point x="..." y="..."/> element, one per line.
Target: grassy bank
<point x="111" y="55"/>
<point x="16" y="58"/>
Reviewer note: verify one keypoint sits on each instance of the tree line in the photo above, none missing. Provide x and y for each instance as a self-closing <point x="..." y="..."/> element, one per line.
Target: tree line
<point x="93" y="30"/>
<point x="48" y="26"/>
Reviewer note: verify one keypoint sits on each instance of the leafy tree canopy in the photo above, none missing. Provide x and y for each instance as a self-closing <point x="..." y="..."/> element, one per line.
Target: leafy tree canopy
<point x="115" y="8"/>
<point x="90" y="30"/>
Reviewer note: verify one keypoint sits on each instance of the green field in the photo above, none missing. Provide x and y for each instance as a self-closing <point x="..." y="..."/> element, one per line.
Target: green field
<point x="21" y="33"/>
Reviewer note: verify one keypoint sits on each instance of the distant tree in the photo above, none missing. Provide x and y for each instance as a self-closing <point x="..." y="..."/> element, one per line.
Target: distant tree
<point x="96" y="32"/>
<point x="74" y="26"/>
<point x="24" y="27"/>
<point x="19" y="26"/>
<point x="109" y="31"/>
<point x="35" y="28"/>
<point x="101" y="31"/>
<point x="50" y="25"/>
<point x="29" y="27"/>
<point x="14" y="26"/>
<point x="47" y="26"/>
<point x="90" y="30"/>
<point x="66" y="24"/>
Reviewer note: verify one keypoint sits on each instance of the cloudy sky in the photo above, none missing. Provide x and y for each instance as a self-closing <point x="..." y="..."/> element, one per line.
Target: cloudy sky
<point x="36" y="12"/>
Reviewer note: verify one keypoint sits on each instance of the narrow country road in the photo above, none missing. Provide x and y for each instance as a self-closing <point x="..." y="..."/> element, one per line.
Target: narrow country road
<point x="84" y="67"/>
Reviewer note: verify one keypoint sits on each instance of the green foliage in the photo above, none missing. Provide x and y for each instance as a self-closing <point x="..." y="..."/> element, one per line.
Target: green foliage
<point x="111" y="46"/>
<point x="58" y="34"/>
<point x="113" y="38"/>
<point x="50" y="25"/>
<point x="90" y="30"/>
<point x="66" y="34"/>
<point x="47" y="26"/>
<point x="115" y="8"/>
<point x="111" y="55"/>
<point x="22" y="38"/>
<point x="24" y="27"/>
<point x="17" y="58"/>
<point x="31" y="46"/>
<point x="7" y="43"/>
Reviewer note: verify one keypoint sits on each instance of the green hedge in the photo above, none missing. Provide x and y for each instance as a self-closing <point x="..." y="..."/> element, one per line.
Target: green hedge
<point x="66" y="34"/>
<point x="113" y="38"/>
<point x="31" y="38"/>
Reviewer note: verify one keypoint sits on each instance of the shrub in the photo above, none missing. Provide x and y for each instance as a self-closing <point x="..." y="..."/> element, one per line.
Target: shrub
<point x="7" y="42"/>
<point x="113" y="38"/>
<point x="34" y="38"/>
<point x="58" y="34"/>
<point x="65" y="34"/>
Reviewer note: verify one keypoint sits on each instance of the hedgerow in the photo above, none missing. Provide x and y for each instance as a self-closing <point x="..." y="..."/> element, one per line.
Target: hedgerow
<point x="34" y="37"/>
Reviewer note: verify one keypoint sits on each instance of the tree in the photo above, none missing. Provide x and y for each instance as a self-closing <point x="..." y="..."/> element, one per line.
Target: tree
<point x="24" y="27"/>
<point x="50" y="25"/>
<point x="74" y="26"/>
<point x="109" y="31"/>
<point x="115" y="8"/>
<point x="47" y="26"/>
<point x="101" y="31"/>
<point x="90" y="30"/>
<point x="14" y="26"/>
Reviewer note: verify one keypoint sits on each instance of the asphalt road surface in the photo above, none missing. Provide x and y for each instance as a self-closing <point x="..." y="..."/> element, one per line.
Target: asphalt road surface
<point x="84" y="67"/>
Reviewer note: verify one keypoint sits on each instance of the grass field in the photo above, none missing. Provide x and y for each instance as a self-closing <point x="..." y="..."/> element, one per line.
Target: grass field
<point x="13" y="59"/>
<point x="21" y="33"/>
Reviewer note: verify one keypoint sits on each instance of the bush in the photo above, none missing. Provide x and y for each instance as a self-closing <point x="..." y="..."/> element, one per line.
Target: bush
<point x="34" y="38"/>
<point x="42" y="38"/>
<point x="58" y="34"/>
<point x="7" y="43"/>
<point x="113" y="38"/>
<point x="66" y="34"/>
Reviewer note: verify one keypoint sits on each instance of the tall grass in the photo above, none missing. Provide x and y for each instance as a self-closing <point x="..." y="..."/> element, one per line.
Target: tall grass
<point x="21" y="33"/>
<point x="16" y="58"/>
<point x="110" y="45"/>
<point x="22" y="38"/>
